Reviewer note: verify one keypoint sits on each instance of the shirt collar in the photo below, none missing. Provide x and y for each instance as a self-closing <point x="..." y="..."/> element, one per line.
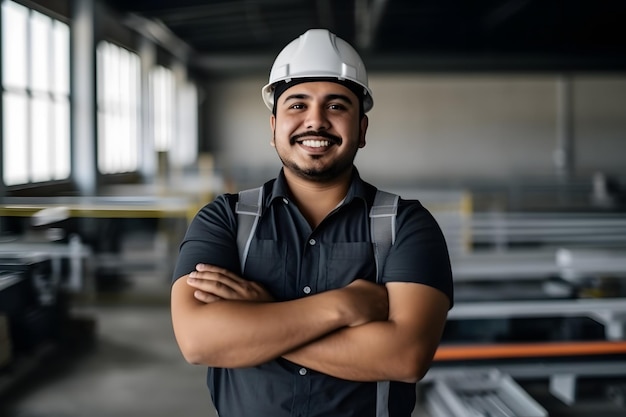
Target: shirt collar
<point x="358" y="189"/>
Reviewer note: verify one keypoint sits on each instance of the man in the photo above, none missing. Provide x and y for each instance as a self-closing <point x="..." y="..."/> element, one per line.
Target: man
<point x="305" y="330"/>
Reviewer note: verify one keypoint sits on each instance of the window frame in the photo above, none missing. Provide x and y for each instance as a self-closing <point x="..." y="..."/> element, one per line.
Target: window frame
<point x="53" y="97"/>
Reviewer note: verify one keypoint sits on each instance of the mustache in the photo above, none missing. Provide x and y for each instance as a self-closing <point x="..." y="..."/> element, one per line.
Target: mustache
<point x="319" y="134"/>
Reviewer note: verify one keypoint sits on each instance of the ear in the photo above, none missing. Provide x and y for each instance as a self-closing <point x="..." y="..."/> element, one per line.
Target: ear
<point x="273" y="127"/>
<point x="363" y="130"/>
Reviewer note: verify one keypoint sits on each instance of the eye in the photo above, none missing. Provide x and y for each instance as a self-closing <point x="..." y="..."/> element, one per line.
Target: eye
<point x="297" y="106"/>
<point x="336" y="106"/>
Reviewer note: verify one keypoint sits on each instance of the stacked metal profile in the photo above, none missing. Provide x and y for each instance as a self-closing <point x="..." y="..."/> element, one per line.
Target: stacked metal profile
<point x="480" y="394"/>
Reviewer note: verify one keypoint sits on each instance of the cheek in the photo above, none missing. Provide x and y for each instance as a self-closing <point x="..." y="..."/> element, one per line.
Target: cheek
<point x="284" y="129"/>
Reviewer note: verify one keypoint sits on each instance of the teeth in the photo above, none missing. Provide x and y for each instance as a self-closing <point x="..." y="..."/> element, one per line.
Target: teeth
<point x="315" y="143"/>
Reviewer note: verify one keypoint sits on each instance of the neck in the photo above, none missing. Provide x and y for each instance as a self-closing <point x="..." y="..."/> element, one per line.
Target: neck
<point x="317" y="199"/>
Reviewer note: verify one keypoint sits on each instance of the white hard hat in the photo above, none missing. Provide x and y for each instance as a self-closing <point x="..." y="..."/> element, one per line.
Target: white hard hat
<point x="318" y="53"/>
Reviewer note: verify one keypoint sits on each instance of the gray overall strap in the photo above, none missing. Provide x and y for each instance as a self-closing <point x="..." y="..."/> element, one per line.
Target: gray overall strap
<point x="383" y="235"/>
<point x="248" y="209"/>
<point x="382" y="398"/>
<point x="383" y="227"/>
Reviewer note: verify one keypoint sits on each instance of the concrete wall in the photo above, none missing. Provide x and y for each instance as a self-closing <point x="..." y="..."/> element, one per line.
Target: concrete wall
<point x="444" y="129"/>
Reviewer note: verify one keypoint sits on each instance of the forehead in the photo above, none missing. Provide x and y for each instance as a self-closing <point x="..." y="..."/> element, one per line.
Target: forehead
<point x="319" y="89"/>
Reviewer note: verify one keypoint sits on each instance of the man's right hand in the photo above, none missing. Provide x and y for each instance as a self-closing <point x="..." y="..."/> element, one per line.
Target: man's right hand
<point x="365" y="302"/>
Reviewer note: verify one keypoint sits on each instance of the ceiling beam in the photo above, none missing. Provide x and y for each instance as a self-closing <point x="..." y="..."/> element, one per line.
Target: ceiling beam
<point x="368" y="14"/>
<point x="499" y="15"/>
<point x="238" y="64"/>
<point x="160" y="34"/>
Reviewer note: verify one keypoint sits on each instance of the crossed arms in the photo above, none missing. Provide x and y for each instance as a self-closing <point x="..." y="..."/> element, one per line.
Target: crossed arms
<point x="362" y="332"/>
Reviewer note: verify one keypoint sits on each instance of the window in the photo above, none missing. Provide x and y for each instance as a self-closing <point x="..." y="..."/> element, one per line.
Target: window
<point x="163" y="90"/>
<point x="118" y="101"/>
<point x="174" y="115"/>
<point x="185" y="149"/>
<point x="35" y="95"/>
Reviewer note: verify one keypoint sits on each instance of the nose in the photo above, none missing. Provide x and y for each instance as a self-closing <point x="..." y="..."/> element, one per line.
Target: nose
<point x="316" y="118"/>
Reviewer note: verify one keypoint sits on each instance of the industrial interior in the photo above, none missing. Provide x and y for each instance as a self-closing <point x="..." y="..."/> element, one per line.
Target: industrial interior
<point x="121" y="119"/>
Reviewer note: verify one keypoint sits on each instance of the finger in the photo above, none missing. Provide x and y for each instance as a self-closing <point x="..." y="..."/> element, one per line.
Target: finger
<point x="214" y="287"/>
<point x="203" y="267"/>
<point x="220" y="271"/>
<point x="230" y="279"/>
<point x="211" y="268"/>
<point x="210" y="279"/>
<point x="205" y="297"/>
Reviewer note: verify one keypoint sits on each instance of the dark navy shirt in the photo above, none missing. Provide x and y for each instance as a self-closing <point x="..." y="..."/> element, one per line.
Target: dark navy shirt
<point x="292" y="260"/>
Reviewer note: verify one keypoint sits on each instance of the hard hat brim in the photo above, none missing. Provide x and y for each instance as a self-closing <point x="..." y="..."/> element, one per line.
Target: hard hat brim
<point x="267" y="92"/>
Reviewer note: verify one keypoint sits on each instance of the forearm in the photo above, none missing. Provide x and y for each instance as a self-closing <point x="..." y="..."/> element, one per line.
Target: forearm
<point x="241" y="333"/>
<point x="400" y="348"/>
<point x="375" y="351"/>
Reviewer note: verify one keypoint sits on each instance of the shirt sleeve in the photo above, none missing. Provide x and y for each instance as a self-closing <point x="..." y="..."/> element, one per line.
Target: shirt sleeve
<point x="420" y="253"/>
<point x="210" y="238"/>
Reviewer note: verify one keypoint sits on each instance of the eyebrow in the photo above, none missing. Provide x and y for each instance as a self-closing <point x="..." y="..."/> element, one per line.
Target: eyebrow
<point x="329" y="97"/>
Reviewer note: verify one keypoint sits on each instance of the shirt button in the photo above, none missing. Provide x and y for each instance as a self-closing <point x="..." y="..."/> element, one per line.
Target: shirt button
<point x="302" y="371"/>
<point x="307" y="290"/>
<point x="285" y="201"/>
<point x="312" y="242"/>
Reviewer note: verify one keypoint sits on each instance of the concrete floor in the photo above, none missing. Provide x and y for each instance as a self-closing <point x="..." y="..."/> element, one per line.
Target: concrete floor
<point x="133" y="369"/>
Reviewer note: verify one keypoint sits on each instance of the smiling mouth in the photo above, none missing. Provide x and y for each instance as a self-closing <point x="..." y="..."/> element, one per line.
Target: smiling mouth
<point x="314" y="139"/>
<point x="314" y="143"/>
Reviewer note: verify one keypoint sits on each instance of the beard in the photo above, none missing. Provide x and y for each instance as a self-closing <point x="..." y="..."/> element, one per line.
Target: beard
<point x="319" y="174"/>
<point x="319" y="171"/>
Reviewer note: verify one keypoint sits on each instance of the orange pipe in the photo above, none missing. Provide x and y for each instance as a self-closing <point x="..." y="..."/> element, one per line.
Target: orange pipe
<point x="528" y="350"/>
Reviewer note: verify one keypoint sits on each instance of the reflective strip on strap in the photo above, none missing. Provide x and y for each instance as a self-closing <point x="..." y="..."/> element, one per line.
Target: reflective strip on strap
<point x="248" y="209"/>
<point x="383" y="227"/>
<point x="382" y="399"/>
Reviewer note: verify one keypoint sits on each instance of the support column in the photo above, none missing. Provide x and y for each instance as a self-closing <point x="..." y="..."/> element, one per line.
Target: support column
<point x="564" y="150"/>
<point x="148" y="59"/>
<point x="83" y="108"/>
<point x="2" y="185"/>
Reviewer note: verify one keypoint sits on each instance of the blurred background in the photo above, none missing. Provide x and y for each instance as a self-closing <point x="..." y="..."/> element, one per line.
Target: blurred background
<point x="120" y="119"/>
